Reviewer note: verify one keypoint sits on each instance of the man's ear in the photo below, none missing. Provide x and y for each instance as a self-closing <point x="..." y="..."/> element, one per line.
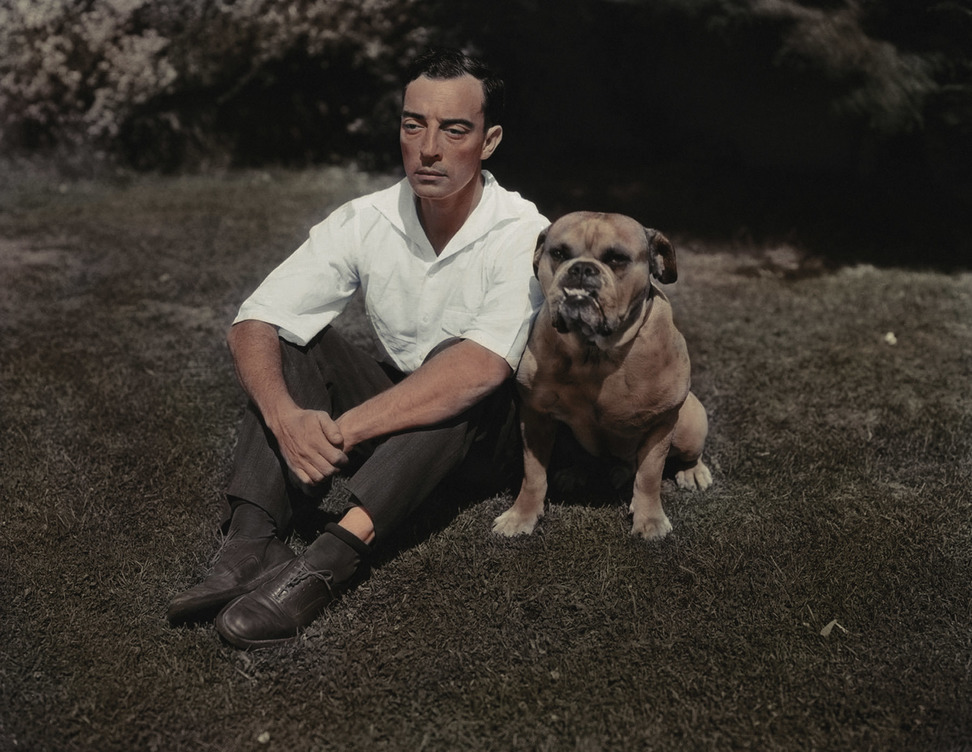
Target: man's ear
<point x="538" y="251"/>
<point x="494" y="134"/>
<point x="661" y="254"/>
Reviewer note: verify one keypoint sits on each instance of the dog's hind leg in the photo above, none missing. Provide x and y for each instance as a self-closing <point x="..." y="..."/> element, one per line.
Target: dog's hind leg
<point x="687" y="445"/>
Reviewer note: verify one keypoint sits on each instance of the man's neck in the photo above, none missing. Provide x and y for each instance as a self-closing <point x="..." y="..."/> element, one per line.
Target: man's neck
<point x="442" y="219"/>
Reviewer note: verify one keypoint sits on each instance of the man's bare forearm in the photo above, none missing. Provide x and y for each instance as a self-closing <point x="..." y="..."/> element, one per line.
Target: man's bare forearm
<point x="451" y="382"/>
<point x="255" y="347"/>
<point x="309" y="440"/>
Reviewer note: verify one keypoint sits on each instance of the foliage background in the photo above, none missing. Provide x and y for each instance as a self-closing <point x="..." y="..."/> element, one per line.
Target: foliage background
<point x="855" y="112"/>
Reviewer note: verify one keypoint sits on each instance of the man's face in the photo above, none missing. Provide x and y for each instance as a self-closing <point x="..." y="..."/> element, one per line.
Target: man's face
<point x="443" y="136"/>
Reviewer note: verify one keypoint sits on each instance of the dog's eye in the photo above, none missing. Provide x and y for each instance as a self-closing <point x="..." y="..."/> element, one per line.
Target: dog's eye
<point x="559" y="253"/>
<point x="616" y="260"/>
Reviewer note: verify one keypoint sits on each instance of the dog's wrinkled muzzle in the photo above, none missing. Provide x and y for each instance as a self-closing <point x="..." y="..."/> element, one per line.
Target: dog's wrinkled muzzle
<point x="584" y="274"/>
<point x="577" y="306"/>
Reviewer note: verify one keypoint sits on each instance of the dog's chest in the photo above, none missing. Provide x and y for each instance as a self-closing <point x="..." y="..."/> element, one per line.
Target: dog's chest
<point x="608" y="402"/>
<point x="608" y="406"/>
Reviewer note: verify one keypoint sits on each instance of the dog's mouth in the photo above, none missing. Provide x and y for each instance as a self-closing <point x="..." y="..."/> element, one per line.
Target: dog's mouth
<point x="579" y="292"/>
<point x="580" y="310"/>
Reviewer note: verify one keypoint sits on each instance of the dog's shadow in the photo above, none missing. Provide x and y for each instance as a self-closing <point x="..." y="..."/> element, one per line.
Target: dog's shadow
<point x="577" y="477"/>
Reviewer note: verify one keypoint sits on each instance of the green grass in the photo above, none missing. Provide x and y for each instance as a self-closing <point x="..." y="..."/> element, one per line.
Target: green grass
<point x="842" y="466"/>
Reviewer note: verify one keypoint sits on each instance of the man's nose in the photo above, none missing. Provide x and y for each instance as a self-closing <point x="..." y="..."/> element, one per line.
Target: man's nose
<point x="429" y="147"/>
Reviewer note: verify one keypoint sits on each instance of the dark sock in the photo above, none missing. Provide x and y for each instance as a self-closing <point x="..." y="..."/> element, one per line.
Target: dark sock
<point x="250" y="521"/>
<point x="337" y="551"/>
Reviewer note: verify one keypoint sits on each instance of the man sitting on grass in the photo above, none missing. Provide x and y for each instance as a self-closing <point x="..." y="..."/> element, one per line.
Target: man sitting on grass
<point x="444" y="259"/>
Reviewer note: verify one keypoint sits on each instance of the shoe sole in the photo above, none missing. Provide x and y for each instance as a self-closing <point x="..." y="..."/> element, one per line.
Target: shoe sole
<point x="243" y="643"/>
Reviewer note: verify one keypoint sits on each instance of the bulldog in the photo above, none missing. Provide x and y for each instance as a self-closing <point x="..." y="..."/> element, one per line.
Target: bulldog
<point x="604" y="358"/>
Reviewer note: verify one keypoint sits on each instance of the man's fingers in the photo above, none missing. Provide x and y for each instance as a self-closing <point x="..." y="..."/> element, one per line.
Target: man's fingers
<point x="314" y="471"/>
<point x="320" y="460"/>
<point x="333" y="460"/>
<point x="311" y="443"/>
<point x="330" y="430"/>
<point x="320" y="464"/>
<point x="302" y="476"/>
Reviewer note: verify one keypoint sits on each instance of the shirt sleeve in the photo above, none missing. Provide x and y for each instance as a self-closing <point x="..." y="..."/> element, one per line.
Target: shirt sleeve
<point x="513" y="294"/>
<point x="309" y="289"/>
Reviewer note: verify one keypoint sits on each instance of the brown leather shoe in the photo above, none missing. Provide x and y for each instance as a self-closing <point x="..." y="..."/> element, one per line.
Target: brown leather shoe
<point x="278" y="610"/>
<point x="244" y="564"/>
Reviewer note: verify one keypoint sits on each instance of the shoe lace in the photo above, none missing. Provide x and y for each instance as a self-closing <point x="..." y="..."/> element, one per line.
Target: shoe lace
<point x="302" y="574"/>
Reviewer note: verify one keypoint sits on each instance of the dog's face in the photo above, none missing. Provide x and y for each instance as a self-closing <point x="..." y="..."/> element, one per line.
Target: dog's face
<point x="595" y="271"/>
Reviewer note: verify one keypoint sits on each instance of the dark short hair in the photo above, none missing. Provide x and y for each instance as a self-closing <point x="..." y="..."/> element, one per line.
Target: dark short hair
<point x="447" y="63"/>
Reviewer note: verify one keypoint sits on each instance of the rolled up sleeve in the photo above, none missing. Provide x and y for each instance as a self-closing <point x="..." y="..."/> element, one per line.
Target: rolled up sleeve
<point x="512" y="295"/>
<point x="312" y="286"/>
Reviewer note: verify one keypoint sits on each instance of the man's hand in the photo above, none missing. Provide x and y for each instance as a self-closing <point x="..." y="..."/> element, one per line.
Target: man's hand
<point x="310" y="442"/>
<point x="314" y="446"/>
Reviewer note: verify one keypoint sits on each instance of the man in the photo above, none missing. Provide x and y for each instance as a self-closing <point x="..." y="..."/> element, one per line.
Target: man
<point x="444" y="260"/>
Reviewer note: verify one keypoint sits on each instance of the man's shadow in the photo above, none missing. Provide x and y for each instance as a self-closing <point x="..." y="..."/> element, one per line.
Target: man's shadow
<point x="575" y="477"/>
<point x="482" y="475"/>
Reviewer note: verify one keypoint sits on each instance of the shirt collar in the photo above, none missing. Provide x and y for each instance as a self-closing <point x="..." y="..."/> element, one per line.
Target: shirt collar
<point x="495" y="207"/>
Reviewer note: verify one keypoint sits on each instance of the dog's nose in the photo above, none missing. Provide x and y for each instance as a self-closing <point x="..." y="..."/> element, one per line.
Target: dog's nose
<point x="583" y="270"/>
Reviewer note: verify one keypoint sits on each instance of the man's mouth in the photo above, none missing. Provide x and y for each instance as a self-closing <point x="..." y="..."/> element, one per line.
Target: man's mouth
<point x="429" y="173"/>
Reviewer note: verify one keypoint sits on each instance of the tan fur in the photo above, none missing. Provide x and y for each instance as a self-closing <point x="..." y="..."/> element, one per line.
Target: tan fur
<point x="605" y="358"/>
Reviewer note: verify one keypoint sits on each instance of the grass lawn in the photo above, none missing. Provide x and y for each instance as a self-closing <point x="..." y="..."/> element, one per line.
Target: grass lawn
<point x="818" y="597"/>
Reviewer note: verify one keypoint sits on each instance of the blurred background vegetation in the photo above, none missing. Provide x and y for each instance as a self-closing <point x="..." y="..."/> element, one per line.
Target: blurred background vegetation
<point x="843" y="122"/>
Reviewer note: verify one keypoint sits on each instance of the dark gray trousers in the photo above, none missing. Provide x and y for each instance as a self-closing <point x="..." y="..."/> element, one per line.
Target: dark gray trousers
<point x="389" y="478"/>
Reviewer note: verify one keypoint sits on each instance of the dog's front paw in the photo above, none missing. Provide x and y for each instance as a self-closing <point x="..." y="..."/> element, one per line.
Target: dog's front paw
<point x="516" y="522"/>
<point x="695" y="478"/>
<point x="651" y="528"/>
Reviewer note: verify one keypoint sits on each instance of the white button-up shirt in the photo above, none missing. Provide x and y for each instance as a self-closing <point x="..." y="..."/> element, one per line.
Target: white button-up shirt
<point x="481" y="287"/>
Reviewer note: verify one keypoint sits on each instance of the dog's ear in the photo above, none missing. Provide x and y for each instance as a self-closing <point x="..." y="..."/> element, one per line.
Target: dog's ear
<point x="661" y="254"/>
<point x="538" y="251"/>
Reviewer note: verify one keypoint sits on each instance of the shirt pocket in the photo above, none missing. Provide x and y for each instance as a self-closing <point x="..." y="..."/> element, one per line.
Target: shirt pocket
<point x="457" y="321"/>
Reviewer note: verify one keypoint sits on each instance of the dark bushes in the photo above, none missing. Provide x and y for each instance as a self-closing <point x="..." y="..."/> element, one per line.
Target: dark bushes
<point x="856" y="102"/>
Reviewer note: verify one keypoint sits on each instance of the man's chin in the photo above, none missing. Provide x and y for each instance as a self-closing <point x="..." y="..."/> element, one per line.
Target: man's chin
<point x="437" y="188"/>
<point x="431" y="189"/>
